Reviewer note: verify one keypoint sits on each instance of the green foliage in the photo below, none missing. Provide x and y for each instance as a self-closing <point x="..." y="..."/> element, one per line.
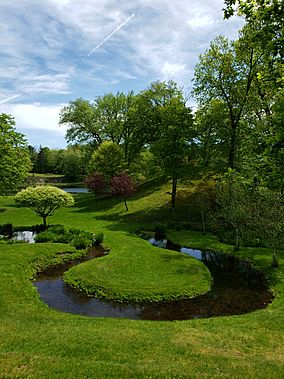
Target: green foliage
<point x="7" y="230"/>
<point x="98" y="240"/>
<point x="44" y="200"/>
<point x="266" y="17"/>
<point x="81" y="118"/>
<point x="274" y="261"/>
<point x="14" y="157"/>
<point x="107" y="160"/>
<point x="224" y="77"/>
<point x="160" y="231"/>
<point x="78" y="238"/>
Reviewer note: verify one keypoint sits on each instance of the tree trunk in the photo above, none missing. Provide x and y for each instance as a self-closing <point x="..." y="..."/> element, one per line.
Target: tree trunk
<point x="203" y="224"/>
<point x="125" y="203"/>
<point x="237" y="246"/>
<point x="174" y="191"/>
<point x="232" y="151"/>
<point x="44" y="220"/>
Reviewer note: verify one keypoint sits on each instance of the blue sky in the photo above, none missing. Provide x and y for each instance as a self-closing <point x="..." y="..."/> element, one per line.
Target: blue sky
<point x="54" y="51"/>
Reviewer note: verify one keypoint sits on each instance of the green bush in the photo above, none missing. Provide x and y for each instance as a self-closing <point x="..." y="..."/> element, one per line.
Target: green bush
<point x="7" y="230"/>
<point x="98" y="239"/>
<point x="78" y="238"/>
<point x="80" y="243"/>
<point x="160" y="231"/>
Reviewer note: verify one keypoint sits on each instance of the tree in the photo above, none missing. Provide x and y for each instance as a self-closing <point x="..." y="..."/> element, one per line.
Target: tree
<point x="14" y="156"/>
<point x="72" y="162"/>
<point x="44" y="200"/>
<point x="172" y="146"/>
<point x="43" y="163"/>
<point x="203" y="200"/>
<point x="123" y="186"/>
<point x="107" y="160"/>
<point x="266" y="17"/>
<point x="226" y="73"/>
<point x="95" y="182"/>
<point x="81" y="118"/>
<point x="233" y="199"/>
<point x="166" y="127"/>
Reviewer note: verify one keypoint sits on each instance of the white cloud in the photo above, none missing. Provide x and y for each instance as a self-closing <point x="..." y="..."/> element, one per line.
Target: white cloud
<point x="171" y="69"/>
<point x="45" y="45"/>
<point x="35" y="116"/>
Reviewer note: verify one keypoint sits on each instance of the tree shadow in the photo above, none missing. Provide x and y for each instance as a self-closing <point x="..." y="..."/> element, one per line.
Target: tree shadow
<point x="89" y="203"/>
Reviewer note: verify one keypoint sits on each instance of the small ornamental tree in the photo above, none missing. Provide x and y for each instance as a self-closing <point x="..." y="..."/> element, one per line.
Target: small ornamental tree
<point x="122" y="185"/>
<point x="95" y="182"/>
<point x="44" y="200"/>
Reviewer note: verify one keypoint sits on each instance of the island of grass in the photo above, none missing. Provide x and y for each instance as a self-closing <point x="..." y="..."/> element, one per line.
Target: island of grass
<point x="139" y="272"/>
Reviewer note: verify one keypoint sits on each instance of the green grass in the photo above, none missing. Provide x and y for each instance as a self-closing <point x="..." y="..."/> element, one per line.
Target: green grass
<point x="140" y="272"/>
<point x="38" y="342"/>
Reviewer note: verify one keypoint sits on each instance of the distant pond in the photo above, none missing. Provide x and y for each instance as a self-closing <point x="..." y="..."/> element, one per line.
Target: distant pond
<point x="238" y="288"/>
<point x="76" y="190"/>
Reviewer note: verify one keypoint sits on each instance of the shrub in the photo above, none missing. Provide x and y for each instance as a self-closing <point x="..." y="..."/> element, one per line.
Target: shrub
<point x="160" y="231"/>
<point x="80" y="243"/>
<point x="98" y="239"/>
<point x="7" y="230"/>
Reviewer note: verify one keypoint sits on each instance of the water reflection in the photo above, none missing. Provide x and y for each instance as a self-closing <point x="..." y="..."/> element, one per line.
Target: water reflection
<point x="238" y="288"/>
<point x="25" y="236"/>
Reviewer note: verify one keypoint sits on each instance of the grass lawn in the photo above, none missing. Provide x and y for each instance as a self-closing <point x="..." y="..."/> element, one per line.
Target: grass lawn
<point x="37" y="342"/>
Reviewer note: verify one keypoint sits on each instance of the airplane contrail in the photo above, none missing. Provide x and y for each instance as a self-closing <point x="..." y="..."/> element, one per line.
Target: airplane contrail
<point x="71" y="70"/>
<point x="10" y="98"/>
<point x="110" y="35"/>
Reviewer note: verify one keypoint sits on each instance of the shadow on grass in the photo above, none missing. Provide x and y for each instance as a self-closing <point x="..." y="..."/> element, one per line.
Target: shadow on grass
<point x="88" y="203"/>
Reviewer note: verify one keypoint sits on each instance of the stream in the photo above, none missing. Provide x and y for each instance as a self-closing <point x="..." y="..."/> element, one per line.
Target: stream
<point x="237" y="288"/>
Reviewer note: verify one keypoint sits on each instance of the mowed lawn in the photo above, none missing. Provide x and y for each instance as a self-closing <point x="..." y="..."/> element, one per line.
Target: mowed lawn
<point x="37" y="342"/>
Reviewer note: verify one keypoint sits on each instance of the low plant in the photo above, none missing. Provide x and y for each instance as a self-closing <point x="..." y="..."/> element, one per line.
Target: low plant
<point x="98" y="239"/>
<point x="7" y="230"/>
<point x="78" y="238"/>
<point x="160" y="231"/>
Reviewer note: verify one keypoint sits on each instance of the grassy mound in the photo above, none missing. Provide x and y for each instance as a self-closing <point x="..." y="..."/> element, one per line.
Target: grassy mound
<point x="39" y="342"/>
<point x="136" y="271"/>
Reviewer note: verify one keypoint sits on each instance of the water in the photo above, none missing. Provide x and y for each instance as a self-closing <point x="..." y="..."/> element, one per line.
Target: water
<point x="76" y="190"/>
<point x="238" y="288"/>
<point x="25" y="236"/>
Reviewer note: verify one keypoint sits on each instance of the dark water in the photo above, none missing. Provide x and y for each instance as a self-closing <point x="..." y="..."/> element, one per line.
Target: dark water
<point x="238" y="288"/>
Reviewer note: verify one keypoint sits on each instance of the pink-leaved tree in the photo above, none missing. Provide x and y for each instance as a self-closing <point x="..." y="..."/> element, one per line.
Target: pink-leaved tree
<point x="122" y="185"/>
<point x="95" y="182"/>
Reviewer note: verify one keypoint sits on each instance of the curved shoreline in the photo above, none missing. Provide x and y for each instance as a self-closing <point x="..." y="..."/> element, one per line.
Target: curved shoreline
<point x="236" y="297"/>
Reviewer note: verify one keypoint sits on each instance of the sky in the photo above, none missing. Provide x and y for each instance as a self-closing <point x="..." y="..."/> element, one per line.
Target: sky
<point x="55" y="51"/>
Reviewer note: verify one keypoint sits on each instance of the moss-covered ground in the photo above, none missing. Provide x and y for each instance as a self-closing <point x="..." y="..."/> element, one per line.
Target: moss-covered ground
<point x="37" y="342"/>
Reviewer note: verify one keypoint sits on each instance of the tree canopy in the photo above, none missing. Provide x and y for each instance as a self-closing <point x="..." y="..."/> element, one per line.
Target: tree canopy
<point x="14" y="156"/>
<point x="44" y="200"/>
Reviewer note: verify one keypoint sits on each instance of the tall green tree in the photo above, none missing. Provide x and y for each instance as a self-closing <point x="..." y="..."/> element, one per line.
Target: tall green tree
<point x="166" y="127"/>
<point x="266" y="17"/>
<point x="15" y="161"/>
<point x="226" y="72"/>
<point x="107" y="160"/>
<point x="108" y="118"/>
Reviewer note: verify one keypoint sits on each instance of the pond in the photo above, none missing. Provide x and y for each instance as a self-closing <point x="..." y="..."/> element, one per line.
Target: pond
<point x="238" y="288"/>
<point x="25" y="236"/>
<point x="76" y="190"/>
